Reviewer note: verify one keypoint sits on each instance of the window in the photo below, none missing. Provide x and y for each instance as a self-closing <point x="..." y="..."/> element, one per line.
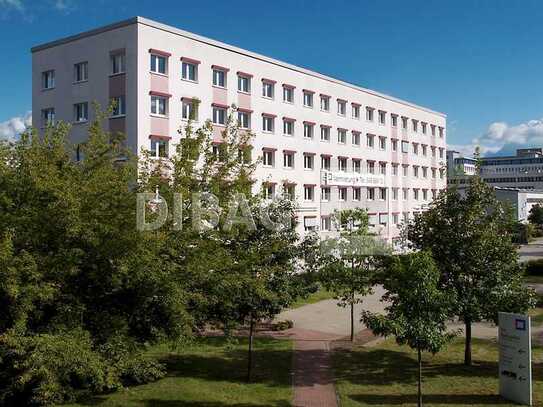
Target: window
<point x="424" y="149"/>
<point x="48" y="79"/>
<point x="81" y="72"/>
<point x="370" y="140"/>
<point x="268" y="124"/>
<point x="434" y="194"/>
<point x="342" y="163"/>
<point x="308" y="130"/>
<point x="405" y="170"/>
<point x="395" y="194"/>
<point x="370" y="165"/>
<point x="309" y="192"/>
<point x="357" y="194"/>
<point x="288" y="94"/>
<point x="341" y="107"/>
<point x="433" y="129"/>
<point x="415" y="125"/>
<point x="244" y="119"/>
<point x="382" y="117"/>
<point x="415" y="148"/>
<point x="415" y="194"/>
<point x="405" y="193"/>
<point x="404" y="122"/>
<point x="433" y="151"/>
<point x="382" y="194"/>
<point x="81" y="112"/>
<point x="117" y="64"/>
<point x="441" y="132"/>
<point x="309" y="161"/>
<point x="416" y="171"/>
<point x="159" y="148"/>
<point x="395" y="219"/>
<point x="441" y="152"/>
<point x="424" y="194"/>
<point x="423" y="126"/>
<point x="269" y="190"/>
<point x="394" y="120"/>
<point x="356" y="138"/>
<point x="158" y="64"/>
<point x="325" y="194"/>
<point x="434" y="172"/>
<point x="325" y="103"/>
<point x="159" y="105"/>
<point x="383" y="168"/>
<point x="369" y="114"/>
<point x="394" y="143"/>
<point x="308" y="99"/>
<point x="325" y="162"/>
<point x="290" y="191"/>
<point x="288" y="159"/>
<point x="356" y="166"/>
<point x="219" y="115"/>
<point x="244" y="84"/>
<point x="342" y="194"/>
<point x="288" y="127"/>
<point x="341" y="136"/>
<point x="189" y="71"/>
<point x="119" y="106"/>
<point x="382" y="143"/>
<point x="370" y="194"/>
<point x="326" y="223"/>
<point x="267" y="89"/>
<point x="268" y="158"/>
<point x="405" y="216"/>
<point x="189" y="109"/>
<point x="356" y="111"/>
<point x="405" y="146"/>
<point x="395" y="169"/>
<point x="219" y="78"/>
<point x="325" y="133"/>
<point x="48" y="116"/>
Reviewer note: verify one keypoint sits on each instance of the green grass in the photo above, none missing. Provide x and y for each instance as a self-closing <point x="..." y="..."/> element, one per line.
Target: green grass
<point x="537" y="317"/>
<point x="533" y="279"/>
<point x="386" y="375"/>
<point x="320" y="295"/>
<point x="211" y="373"/>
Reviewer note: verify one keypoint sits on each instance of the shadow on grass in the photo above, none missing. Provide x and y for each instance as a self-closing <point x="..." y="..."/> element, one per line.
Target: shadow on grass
<point x="430" y="399"/>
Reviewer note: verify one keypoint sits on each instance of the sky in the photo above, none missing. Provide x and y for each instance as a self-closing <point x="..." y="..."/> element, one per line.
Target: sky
<point x="480" y="62"/>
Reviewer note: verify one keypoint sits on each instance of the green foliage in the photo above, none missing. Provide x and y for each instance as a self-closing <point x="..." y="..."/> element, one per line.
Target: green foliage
<point x="469" y="237"/>
<point x="522" y="233"/>
<point x="536" y="215"/>
<point x="418" y="309"/>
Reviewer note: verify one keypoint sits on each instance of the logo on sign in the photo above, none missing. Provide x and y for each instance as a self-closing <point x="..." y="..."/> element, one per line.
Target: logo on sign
<point x="520" y="324"/>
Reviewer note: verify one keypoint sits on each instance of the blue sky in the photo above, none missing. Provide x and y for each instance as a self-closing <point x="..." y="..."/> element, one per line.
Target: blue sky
<point x="480" y="62"/>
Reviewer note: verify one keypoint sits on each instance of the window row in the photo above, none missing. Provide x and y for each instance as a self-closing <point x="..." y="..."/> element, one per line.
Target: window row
<point x="81" y="111"/>
<point x="189" y="71"/>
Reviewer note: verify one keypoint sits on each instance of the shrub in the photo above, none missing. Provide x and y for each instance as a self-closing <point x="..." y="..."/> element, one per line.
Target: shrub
<point x="283" y="325"/>
<point x="534" y="267"/>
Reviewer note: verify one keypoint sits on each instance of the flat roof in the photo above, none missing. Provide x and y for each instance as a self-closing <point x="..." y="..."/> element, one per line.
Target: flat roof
<point x="199" y="38"/>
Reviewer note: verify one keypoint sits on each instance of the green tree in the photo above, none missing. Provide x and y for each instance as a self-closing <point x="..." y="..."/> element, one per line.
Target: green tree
<point x="536" y="215"/>
<point x="351" y="260"/>
<point x="469" y="236"/>
<point x="418" y="308"/>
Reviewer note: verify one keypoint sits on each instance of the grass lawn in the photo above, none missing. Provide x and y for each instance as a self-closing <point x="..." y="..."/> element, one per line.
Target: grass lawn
<point x="211" y="373"/>
<point x="536" y="317"/>
<point x="320" y="295"/>
<point x="386" y="375"/>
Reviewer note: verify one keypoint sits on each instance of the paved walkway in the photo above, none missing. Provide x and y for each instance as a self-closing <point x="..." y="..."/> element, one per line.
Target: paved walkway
<point x="532" y="250"/>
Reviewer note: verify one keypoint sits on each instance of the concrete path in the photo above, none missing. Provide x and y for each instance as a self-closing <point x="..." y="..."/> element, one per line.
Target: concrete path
<point x="532" y="250"/>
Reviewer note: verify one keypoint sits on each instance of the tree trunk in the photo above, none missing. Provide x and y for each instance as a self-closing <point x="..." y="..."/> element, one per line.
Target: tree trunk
<point x="467" y="348"/>
<point x="419" y="398"/>
<point x="250" y="355"/>
<point x="352" y="321"/>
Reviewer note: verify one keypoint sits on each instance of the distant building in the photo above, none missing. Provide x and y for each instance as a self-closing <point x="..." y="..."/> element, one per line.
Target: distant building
<point x="522" y="171"/>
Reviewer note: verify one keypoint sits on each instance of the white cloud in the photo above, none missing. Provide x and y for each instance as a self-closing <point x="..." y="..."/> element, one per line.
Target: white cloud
<point x="502" y="139"/>
<point x="12" y="4"/>
<point x="12" y="128"/>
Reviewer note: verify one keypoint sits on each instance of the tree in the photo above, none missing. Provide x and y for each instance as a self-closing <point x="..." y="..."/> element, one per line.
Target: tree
<point x="351" y="260"/>
<point x="418" y="308"/>
<point x="469" y="236"/>
<point x="536" y="215"/>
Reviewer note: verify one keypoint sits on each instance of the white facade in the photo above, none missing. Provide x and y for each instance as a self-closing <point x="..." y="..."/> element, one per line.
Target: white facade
<point x="402" y="143"/>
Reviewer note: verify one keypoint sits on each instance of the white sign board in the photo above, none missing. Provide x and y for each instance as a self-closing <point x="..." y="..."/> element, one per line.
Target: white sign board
<point x="515" y="358"/>
<point x="347" y="179"/>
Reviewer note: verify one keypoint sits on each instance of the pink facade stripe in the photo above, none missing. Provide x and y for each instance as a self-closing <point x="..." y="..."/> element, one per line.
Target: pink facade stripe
<point x="161" y="94"/>
<point x="289" y="119"/>
<point x="309" y="91"/>
<point x="286" y="85"/>
<point x="289" y="151"/>
<point x="269" y="80"/>
<point x="245" y="74"/>
<point x="269" y="115"/>
<point x="190" y="60"/>
<point x="244" y="110"/>
<point x="268" y="149"/>
<point x="159" y="137"/>
<point x="220" y="68"/>
<point x="310" y="123"/>
<point x="220" y="105"/>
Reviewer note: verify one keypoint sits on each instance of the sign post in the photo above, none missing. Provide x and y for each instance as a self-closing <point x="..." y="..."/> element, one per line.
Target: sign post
<point x="515" y="357"/>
